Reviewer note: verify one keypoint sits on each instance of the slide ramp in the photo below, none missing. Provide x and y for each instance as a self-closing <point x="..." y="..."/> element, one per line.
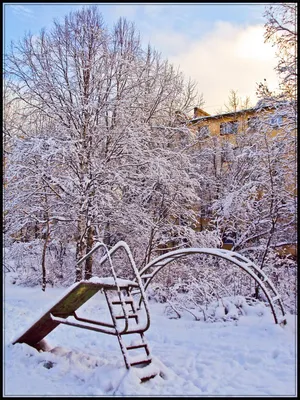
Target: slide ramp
<point x="78" y="294"/>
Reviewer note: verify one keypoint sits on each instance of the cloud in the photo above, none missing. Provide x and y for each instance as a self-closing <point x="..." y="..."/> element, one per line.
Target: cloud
<point x="128" y="11"/>
<point x="228" y="57"/>
<point x="22" y="11"/>
<point x="154" y="10"/>
<point x="219" y="55"/>
<point x="168" y="43"/>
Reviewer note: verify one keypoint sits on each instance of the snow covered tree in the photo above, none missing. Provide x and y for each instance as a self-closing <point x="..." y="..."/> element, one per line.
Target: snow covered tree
<point x="108" y="109"/>
<point x="281" y="30"/>
<point x="256" y="185"/>
<point x="256" y="203"/>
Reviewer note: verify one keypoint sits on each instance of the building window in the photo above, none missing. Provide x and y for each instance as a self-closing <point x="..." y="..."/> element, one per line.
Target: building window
<point x="182" y="221"/>
<point x="203" y="132"/>
<point x="276" y="121"/>
<point x="227" y="128"/>
<point x="253" y="123"/>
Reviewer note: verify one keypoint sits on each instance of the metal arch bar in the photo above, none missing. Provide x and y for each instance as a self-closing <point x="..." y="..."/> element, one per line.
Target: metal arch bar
<point x="234" y="257"/>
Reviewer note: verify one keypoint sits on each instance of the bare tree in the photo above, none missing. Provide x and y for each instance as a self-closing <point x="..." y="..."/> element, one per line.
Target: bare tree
<point x="281" y="31"/>
<point x="102" y="98"/>
<point x="236" y="103"/>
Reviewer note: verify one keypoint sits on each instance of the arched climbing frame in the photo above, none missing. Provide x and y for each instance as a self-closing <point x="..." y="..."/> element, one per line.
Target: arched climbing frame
<point x="153" y="267"/>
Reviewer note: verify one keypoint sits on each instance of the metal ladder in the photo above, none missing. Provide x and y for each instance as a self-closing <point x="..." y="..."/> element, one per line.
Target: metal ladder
<point x="128" y="328"/>
<point x="127" y="320"/>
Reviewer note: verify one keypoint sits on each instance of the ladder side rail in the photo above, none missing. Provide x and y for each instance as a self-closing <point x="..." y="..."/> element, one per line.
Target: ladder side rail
<point x="84" y="326"/>
<point x="104" y="258"/>
<point x="123" y="305"/>
<point x="98" y="245"/>
<point x="117" y="332"/>
<point x="121" y="244"/>
<point x="102" y="330"/>
<point x="91" y="321"/>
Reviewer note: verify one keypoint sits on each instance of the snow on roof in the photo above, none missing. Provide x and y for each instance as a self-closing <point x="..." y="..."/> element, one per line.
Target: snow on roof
<point x="261" y="104"/>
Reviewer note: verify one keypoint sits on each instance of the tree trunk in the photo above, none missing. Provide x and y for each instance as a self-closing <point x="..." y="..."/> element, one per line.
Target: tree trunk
<point x="106" y="234"/>
<point x="79" y="255"/>
<point x="80" y="244"/>
<point x="44" y="271"/>
<point x="149" y="248"/>
<point x="257" y="291"/>
<point x="89" y="245"/>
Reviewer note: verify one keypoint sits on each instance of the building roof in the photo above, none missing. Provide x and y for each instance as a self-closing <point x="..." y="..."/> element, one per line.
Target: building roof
<point x="228" y="114"/>
<point x="259" y="106"/>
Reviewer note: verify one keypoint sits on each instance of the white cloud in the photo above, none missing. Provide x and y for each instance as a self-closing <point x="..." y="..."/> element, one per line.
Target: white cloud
<point x="228" y="57"/>
<point x="22" y="11"/>
<point x="125" y="10"/>
<point x="250" y="45"/>
<point x="154" y="10"/>
<point x="167" y="42"/>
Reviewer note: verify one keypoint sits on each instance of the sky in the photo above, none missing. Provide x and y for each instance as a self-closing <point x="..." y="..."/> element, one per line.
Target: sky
<point x="220" y="46"/>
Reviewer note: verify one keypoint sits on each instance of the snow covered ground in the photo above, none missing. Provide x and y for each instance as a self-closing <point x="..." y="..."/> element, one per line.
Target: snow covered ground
<point x="248" y="357"/>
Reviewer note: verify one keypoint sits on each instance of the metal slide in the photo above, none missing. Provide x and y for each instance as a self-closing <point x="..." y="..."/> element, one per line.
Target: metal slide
<point x="127" y="322"/>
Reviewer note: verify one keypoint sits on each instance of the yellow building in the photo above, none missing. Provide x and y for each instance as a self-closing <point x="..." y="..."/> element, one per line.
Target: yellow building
<point x="271" y="120"/>
<point x="231" y="123"/>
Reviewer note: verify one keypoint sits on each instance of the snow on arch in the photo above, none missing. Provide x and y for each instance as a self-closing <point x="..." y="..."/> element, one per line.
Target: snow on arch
<point x="153" y="267"/>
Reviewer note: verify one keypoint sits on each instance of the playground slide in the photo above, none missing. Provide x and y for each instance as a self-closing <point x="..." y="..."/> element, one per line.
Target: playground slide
<point x="77" y="295"/>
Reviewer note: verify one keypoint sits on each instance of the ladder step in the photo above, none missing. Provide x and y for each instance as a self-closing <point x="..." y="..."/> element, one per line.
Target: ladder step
<point x="137" y="346"/>
<point x="147" y="372"/>
<point x="276" y="298"/>
<point x="120" y="302"/>
<point x="141" y="362"/>
<point x="147" y="378"/>
<point x="132" y="331"/>
<point x="128" y="316"/>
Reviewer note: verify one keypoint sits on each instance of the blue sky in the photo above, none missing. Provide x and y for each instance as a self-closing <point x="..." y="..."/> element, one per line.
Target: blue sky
<point x="220" y="46"/>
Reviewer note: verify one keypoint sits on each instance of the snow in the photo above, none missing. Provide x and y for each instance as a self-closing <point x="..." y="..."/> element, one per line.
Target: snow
<point x="251" y="356"/>
<point x="111" y="281"/>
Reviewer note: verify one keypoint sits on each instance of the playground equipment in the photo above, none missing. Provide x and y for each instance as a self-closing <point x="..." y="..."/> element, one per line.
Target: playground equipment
<point x="130" y="315"/>
<point x="126" y="319"/>
<point x="154" y="266"/>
